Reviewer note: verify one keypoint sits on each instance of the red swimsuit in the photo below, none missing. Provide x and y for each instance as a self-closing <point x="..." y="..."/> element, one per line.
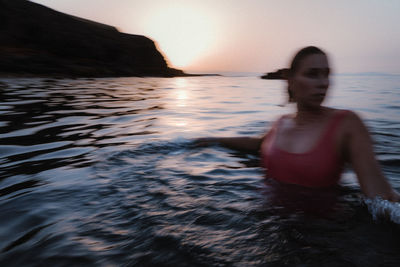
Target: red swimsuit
<point x="319" y="167"/>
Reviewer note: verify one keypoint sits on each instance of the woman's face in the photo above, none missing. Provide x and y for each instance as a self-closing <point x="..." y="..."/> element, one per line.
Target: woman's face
<point x="310" y="82"/>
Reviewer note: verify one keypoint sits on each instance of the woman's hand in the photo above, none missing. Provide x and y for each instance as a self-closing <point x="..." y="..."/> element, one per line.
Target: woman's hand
<point x="205" y="141"/>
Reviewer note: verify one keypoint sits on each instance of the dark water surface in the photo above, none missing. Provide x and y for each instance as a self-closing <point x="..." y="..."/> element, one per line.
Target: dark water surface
<point x="102" y="172"/>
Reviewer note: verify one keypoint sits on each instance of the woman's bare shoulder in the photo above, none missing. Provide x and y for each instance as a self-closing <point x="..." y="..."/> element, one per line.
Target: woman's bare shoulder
<point x="352" y="123"/>
<point x="351" y="117"/>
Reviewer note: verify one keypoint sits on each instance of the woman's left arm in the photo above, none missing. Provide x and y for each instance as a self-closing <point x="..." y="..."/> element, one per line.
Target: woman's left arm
<point x="359" y="151"/>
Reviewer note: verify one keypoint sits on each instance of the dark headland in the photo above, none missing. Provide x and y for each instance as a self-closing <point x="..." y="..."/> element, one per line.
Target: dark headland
<point x="280" y="74"/>
<point x="38" y="41"/>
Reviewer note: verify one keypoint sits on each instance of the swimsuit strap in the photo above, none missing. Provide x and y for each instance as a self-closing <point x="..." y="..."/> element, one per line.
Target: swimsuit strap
<point x="336" y="120"/>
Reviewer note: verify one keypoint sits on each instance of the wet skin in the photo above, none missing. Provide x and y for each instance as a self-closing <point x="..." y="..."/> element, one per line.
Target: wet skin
<point x="299" y="132"/>
<point x="311" y="81"/>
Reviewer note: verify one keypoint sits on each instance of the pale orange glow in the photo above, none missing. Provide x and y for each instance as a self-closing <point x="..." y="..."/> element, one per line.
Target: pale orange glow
<point x="181" y="94"/>
<point x="254" y="36"/>
<point x="183" y="33"/>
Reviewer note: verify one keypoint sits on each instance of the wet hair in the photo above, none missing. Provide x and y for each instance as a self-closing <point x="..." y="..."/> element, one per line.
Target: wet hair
<point x="296" y="62"/>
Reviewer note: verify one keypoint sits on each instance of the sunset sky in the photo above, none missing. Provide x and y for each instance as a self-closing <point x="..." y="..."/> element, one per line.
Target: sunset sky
<point x="255" y="35"/>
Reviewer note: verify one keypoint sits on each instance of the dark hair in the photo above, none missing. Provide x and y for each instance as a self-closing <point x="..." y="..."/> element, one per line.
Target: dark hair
<point x="296" y="61"/>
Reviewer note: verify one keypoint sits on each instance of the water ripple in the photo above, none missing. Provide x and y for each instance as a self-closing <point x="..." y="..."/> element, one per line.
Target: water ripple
<point x="103" y="172"/>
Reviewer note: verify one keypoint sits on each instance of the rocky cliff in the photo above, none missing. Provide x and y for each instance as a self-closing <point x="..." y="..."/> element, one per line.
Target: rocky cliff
<point x="36" y="40"/>
<point x="281" y="74"/>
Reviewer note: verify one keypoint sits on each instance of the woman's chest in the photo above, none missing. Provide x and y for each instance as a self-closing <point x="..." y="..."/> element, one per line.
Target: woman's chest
<point x="299" y="139"/>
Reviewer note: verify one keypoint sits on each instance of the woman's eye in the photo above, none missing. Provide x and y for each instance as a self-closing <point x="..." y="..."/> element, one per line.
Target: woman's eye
<point x="312" y="74"/>
<point x="317" y="73"/>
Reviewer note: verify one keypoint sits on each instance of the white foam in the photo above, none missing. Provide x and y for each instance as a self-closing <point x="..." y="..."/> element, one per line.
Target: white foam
<point x="381" y="208"/>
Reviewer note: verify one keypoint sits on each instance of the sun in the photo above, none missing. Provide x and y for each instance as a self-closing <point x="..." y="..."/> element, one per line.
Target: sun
<point x="182" y="33"/>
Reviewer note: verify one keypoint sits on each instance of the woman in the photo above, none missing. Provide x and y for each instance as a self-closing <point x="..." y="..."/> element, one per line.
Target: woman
<point x="310" y="147"/>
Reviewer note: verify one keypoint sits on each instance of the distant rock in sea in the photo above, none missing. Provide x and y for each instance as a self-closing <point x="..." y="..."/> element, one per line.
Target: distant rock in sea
<point x="36" y="40"/>
<point x="280" y="74"/>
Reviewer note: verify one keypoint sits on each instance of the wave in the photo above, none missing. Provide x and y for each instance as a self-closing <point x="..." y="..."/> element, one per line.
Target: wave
<point x="383" y="209"/>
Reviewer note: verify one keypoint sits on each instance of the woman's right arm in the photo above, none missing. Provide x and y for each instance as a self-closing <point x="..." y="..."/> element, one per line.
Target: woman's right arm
<point x="243" y="143"/>
<point x="246" y="144"/>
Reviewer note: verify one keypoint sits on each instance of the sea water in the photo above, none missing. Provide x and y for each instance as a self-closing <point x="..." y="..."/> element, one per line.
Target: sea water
<point x="103" y="172"/>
